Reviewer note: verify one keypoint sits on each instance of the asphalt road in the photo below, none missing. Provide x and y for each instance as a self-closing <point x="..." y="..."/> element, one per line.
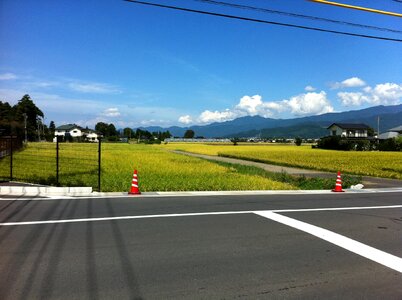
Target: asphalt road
<point x="210" y="247"/>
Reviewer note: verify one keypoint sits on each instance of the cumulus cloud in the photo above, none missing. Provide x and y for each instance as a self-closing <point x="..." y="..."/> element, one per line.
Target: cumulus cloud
<point x="185" y="119"/>
<point x="301" y="105"/>
<point x="309" y="104"/>
<point x="111" y="112"/>
<point x="250" y="105"/>
<point x="349" y="83"/>
<point x="381" y="94"/>
<point x="352" y="99"/>
<point x="216" y="116"/>
<point x="309" y="88"/>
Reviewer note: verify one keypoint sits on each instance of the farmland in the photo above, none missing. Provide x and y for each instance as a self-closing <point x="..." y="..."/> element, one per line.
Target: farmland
<point x="159" y="170"/>
<point x="379" y="164"/>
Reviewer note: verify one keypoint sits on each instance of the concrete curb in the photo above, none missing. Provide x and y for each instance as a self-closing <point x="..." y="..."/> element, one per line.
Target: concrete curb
<point x="86" y="192"/>
<point x="44" y="191"/>
<point x="244" y="193"/>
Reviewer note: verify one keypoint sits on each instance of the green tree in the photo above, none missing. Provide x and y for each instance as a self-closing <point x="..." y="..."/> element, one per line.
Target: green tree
<point x="26" y="107"/>
<point x="189" y="134"/>
<point x="6" y="117"/>
<point x="52" y="127"/>
<point x="111" y="130"/>
<point x="102" y="128"/>
<point x="128" y="132"/>
<point x="298" y="141"/>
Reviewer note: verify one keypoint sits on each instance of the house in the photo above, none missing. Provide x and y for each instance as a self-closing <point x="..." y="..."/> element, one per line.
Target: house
<point x="391" y="133"/>
<point x="91" y="135"/>
<point x="76" y="131"/>
<point x="69" y="129"/>
<point x="349" y="130"/>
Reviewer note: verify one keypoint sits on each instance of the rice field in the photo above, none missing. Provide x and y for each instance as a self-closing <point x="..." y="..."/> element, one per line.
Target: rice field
<point x="379" y="164"/>
<point x="158" y="170"/>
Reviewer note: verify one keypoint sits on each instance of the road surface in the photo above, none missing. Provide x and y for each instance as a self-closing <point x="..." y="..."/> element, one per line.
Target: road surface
<point x="328" y="246"/>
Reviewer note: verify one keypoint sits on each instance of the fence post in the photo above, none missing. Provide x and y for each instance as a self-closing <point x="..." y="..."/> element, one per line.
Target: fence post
<point x="57" y="160"/>
<point x="99" y="163"/>
<point x="11" y="158"/>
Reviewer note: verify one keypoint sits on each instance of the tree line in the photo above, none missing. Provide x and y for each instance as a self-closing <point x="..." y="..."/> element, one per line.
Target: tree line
<point x="24" y="120"/>
<point x="110" y="133"/>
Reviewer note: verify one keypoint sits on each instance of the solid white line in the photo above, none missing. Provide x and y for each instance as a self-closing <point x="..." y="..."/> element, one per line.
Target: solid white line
<point x="194" y="214"/>
<point x="123" y="218"/>
<point x="333" y="208"/>
<point x="381" y="257"/>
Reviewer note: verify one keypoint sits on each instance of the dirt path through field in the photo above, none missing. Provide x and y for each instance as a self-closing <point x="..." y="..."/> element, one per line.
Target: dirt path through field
<point x="368" y="182"/>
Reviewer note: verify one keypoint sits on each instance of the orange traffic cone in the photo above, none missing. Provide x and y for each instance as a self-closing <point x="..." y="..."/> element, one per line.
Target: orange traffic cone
<point x="134" y="185"/>
<point x="338" y="184"/>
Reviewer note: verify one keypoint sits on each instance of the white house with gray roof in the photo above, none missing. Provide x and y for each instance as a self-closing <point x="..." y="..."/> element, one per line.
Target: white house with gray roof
<point x="76" y="131"/>
<point x="391" y="133"/>
<point x="349" y="130"/>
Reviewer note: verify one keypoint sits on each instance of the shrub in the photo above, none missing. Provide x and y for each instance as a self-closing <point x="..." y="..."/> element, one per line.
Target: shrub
<point x="338" y="143"/>
<point x="394" y="144"/>
<point x="298" y="141"/>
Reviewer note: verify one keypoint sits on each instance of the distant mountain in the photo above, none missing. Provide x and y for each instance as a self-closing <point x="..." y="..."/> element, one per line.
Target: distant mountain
<point x="390" y="116"/>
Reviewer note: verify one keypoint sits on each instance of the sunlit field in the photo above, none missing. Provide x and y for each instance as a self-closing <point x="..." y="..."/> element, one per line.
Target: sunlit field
<point x="159" y="170"/>
<point x="379" y="164"/>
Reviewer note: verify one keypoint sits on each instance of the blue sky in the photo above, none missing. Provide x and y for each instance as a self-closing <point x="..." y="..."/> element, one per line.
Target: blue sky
<point x="114" y="61"/>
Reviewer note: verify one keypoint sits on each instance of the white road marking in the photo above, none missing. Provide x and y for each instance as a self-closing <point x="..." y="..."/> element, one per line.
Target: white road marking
<point x="381" y="257"/>
<point x="38" y="196"/>
<point x="361" y="249"/>
<point x="194" y="214"/>
<point x="333" y="208"/>
<point x="123" y="218"/>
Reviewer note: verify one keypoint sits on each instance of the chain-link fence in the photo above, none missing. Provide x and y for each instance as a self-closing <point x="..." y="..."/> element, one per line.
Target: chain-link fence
<point x="57" y="164"/>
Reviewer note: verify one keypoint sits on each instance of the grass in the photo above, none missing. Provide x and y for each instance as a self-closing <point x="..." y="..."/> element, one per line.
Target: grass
<point x="379" y="164"/>
<point x="300" y="182"/>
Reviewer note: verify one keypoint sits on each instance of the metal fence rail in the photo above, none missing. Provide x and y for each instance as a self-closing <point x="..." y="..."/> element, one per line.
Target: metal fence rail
<point x="56" y="164"/>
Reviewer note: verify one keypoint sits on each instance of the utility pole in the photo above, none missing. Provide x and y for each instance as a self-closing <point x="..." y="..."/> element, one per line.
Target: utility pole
<point x="38" y="125"/>
<point x="378" y="126"/>
<point x="25" y="126"/>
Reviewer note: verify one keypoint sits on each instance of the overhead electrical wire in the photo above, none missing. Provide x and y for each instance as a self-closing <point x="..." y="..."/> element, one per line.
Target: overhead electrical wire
<point x="383" y="12"/>
<point x="265" y="10"/>
<point x="263" y="21"/>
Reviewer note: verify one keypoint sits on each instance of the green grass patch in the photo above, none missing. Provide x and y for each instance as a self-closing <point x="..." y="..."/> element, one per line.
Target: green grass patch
<point x="300" y="182"/>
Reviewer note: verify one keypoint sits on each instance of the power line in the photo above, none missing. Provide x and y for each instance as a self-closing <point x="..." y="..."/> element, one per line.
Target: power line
<point x="262" y="21"/>
<point x="265" y="10"/>
<point x="389" y="13"/>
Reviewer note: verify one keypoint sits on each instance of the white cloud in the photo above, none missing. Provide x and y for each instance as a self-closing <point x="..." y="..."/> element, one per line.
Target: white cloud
<point x="352" y="99"/>
<point x="250" y="105"/>
<point x="309" y="88"/>
<point x="309" y="104"/>
<point x="216" y="116"/>
<point x="349" y="83"/>
<point x="381" y="94"/>
<point x="111" y="112"/>
<point x="95" y="88"/>
<point x="185" y="119"/>
<point x="300" y="105"/>
<point x="387" y="93"/>
<point x="8" y="76"/>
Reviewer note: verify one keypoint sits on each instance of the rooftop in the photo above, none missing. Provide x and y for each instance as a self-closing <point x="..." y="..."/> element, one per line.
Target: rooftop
<point x="350" y="125"/>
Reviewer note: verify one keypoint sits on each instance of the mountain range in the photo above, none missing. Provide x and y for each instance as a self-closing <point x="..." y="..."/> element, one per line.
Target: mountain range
<point x="305" y="127"/>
